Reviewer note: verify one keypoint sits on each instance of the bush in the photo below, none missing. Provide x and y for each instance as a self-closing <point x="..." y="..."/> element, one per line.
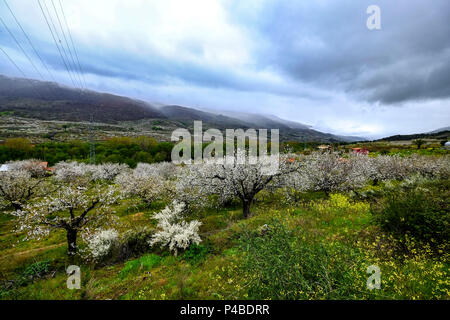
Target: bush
<point x="36" y="270"/>
<point x="175" y="232"/>
<point x="421" y="212"/>
<point x="195" y="254"/>
<point x="142" y="264"/>
<point x="32" y="272"/>
<point x="280" y="266"/>
<point x="101" y="244"/>
<point x="135" y="242"/>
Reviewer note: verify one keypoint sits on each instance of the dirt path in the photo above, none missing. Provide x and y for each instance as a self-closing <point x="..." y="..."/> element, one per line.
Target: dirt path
<point x="35" y="250"/>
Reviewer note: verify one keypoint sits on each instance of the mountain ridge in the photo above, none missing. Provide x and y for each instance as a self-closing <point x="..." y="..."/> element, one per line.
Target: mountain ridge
<point x="51" y="101"/>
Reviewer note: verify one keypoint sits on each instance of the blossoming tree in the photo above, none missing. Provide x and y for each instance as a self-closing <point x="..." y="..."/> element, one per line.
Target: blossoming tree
<point x="234" y="179"/>
<point x="148" y="182"/>
<point x="20" y="183"/>
<point x="72" y="209"/>
<point x="331" y="172"/>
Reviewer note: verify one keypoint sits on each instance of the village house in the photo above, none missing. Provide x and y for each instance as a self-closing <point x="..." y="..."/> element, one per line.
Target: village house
<point x="324" y="147"/>
<point x="360" y="151"/>
<point x="44" y="165"/>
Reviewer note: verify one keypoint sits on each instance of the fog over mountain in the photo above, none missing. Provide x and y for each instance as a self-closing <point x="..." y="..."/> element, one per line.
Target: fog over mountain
<point x="312" y="62"/>
<point x="51" y="101"/>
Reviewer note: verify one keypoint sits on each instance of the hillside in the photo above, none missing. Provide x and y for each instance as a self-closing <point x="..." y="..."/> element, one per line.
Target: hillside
<point x="48" y="101"/>
<point x="437" y="134"/>
<point x="51" y="101"/>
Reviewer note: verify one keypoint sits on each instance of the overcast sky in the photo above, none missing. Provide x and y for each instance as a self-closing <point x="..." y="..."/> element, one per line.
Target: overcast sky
<point x="315" y="62"/>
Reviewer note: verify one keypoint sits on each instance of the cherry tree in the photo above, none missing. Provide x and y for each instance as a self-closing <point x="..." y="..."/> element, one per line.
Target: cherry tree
<point x="106" y="171"/>
<point x="148" y="182"/>
<point x="430" y="166"/>
<point x="71" y="171"/>
<point x="34" y="167"/>
<point x="164" y="170"/>
<point x="232" y="178"/>
<point x="294" y="182"/>
<point x="72" y="209"/>
<point x="17" y="186"/>
<point x="331" y="172"/>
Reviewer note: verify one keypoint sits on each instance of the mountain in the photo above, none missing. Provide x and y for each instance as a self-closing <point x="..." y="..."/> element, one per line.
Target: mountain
<point x="51" y="101"/>
<point x="291" y="128"/>
<point x="41" y="100"/>
<point x="351" y="138"/>
<point x="188" y="115"/>
<point x="440" y="130"/>
<point x="439" y="134"/>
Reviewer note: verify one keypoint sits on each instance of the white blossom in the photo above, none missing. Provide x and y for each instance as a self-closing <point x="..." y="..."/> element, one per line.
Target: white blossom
<point x="106" y="171"/>
<point x="230" y="179"/>
<point x="34" y="167"/>
<point x="18" y="186"/>
<point x="100" y="244"/>
<point x="174" y="231"/>
<point x="70" y="172"/>
<point x="69" y="208"/>
<point x="149" y="182"/>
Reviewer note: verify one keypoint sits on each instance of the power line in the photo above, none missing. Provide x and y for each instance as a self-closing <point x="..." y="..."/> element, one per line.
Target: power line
<point x="12" y="61"/>
<point x="73" y="45"/>
<point x="29" y="41"/>
<point x="81" y="74"/>
<point x="21" y="48"/>
<point x="55" y="41"/>
<point x="38" y="94"/>
<point x="50" y="17"/>
<point x="67" y="45"/>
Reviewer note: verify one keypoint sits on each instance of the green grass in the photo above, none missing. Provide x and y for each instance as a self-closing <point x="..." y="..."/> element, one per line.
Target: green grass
<point x="213" y="270"/>
<point x="144" y="263"/>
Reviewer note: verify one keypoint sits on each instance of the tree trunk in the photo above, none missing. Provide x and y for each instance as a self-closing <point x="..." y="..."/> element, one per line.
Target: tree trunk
<point x="17" y="206"/>
<point x="246" y="207"/>
<point x="71" y="242"/>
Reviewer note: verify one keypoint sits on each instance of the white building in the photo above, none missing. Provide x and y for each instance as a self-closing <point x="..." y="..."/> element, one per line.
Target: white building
<point x="3" y="167"/>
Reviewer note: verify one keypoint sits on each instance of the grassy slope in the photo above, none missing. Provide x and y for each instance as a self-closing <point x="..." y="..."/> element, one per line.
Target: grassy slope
<point x="159" y="275"/>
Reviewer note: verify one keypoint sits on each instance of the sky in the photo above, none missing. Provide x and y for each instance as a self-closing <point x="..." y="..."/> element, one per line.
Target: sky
<point x="315" y="62"/>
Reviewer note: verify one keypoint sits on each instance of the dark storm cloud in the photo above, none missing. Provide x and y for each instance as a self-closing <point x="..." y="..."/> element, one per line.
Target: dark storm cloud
<point x="327" y="43"/>
<point x="322" y="44"/>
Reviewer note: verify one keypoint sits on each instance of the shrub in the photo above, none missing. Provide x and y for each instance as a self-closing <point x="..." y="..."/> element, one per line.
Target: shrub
<point x="32" y="272"/>
<point x="421" y="212"/>
<point x="37" y="270"/>
<point x="339" y="203"/>
<point x="280" y="266"/>
<point x="101" y="244"/>
<point x="134" y="242"/>
<point x="195" y="254"/>
<point x="142" y="264"/>
<point x="175" y="232"/>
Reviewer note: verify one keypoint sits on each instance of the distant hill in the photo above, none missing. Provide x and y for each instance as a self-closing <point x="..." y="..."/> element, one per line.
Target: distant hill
<point x="51" y="101"/>
<point x="440" y="134"/>
<point x="218" y="121"/>
<point x="351" y="138"/>
<point x="289" y="130"/>
<point x="440" y="130"/>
